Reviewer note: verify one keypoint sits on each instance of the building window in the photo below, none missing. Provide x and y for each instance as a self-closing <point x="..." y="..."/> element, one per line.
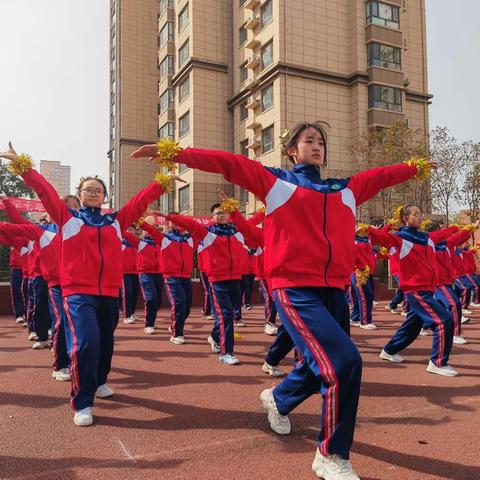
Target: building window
<point x="241" y="2"/>
<point x="182" y="168"/>
<point x="384" y="56"/>
<point x="166" y="66"/>
<point x="184" y="199"/>
<point x="184" y="124"/>
<point x="183" y="53"/>
<point x="166" y="101"/>
<point x="243" y="196"/>
<point x="267" y="139"/>
<point x="386" y="98"/>
<point x="267" y="97"/>
<point x="184" y="90"/>
<point x="266" y="15"/>
<point x="243" y="111"/>
<point x="243" y="147"/>
<point x="242" y="35"/>
<point x="166" y="130"/>
<point x="267" y="55"/>
<point x="183" y="19"/>
<point x="164" y="4"/>
<point x="166" y="34"/>
<point x="382" y="14"/>
<point x="243" y="72"/>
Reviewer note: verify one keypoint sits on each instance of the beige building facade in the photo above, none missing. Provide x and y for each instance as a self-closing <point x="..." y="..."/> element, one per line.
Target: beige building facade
<point x="233" y="74"/>
<point x="58" y="175"/>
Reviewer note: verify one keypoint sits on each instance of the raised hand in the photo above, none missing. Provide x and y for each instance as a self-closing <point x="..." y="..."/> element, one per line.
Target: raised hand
<point x="176" y="177"/>
<point x="145" y="151"/>
<point x="10" y="154"/>
<point x="222" y="194"/>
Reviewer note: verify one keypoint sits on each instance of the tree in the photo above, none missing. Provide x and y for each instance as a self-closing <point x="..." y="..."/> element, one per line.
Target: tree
<point x="445" y="152"/>
<point x="470" y="191"/>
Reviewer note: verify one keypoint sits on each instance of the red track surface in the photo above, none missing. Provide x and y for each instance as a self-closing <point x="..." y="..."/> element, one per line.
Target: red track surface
<point x="178" y="414"/>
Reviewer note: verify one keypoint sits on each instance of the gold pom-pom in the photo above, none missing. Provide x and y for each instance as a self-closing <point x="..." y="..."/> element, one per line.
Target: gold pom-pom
<point x="383" y="250"/>
<point x="165" y="181"/>
<point x="425" y="224"/>
<point x="167" y="150"/>
<point x="362" y="275"/>
<point x="20" y="165"/>
<point x="138" y="223"/>
<point x="229" y="205"/>
<point x="362" y="229"/>
<point x="424" y="167"/>
<point x="237" y="336"/>
<point x="474" y="249"/>
<point x="283" y="137"/>
<point x="261" y="209"/>
<point x="470" y="227"/>
<point x="396" y="220"/>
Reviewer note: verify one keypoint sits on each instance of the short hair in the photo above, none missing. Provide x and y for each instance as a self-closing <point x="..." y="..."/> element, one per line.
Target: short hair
<point x="214" y="206"/>
<point x="99" y="180"/>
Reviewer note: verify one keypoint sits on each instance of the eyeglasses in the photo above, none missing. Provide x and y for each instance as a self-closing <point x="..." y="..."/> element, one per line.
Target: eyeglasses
<point x="92" y="193"/>
<point x="219" y="213"/>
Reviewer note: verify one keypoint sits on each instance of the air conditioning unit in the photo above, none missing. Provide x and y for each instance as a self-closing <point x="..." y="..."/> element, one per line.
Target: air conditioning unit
<point x="254" y="142"/>
<point x="253" y="62"/>
<point x="252" y="22"/>
<point x="252" y="4"/>
<point x="253" y="43"/>
<point x="251" y="82"/>
<point x="253" y="124"/>
<point x="253" y="102"/>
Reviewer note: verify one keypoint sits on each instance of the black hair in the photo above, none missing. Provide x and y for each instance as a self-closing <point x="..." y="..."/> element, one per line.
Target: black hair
<point x="99" y="180"/>
<point x="407" y="209"/>
<point x="214" y="206"/>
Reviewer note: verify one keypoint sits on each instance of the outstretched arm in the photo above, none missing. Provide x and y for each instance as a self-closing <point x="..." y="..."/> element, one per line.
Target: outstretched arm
<point x="252" y="234"/>
<point x="12" y="211"/>
<point x="383" y="238"/>
<point x="196" y="229"/>
<point x="130" y="237"/>
<point x="153" y="232"/>
<point x="30" y="231"/>
<point x="442" y="234"/>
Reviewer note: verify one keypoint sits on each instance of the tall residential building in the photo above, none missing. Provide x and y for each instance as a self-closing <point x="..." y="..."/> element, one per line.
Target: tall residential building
<point x="58" y="175"/>
<point x="233" y="74"/>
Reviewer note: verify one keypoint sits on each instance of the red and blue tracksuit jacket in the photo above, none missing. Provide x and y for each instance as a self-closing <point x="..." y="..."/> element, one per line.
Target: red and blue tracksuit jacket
<point x="148" y="254"/>
<point x="365" y="256"/>
<point x="91" y="242"/>
<point x="443" y="255"/>
<point x="309" y="222"/>
<point x="129" y="258"/>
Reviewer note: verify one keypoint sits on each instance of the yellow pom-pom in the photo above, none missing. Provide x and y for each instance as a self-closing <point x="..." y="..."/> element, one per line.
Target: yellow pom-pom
<point x="261" y="209"/>
<point x="362" y="275"/>
<point x="454" y="225"/>
<point x="229" y="205"/>
<point x="20" y="165"/>
<point x="165" y="181"/>
<point x="470" y="227"/>
<point x="425" y="224"/>
<point x="362" y="230"/>
<point x="424" y="167"/>
<point x="237" y="336"/>
<point x="396" y="220"/>
<point x="383" y="250"/>
<point x="167" y="150"/>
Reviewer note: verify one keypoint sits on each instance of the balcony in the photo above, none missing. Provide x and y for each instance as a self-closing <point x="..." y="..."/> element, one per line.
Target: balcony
<point x="254" y="142"/>
<point x="374" y="33"/>
<point x="252" y="4"/>
<point x="251" y="82"/>
<point x="253" y="102"/>
<point x="252" y="23"/>
<point x="386" y="77"/>
<point x="253" y="124"/>
<point x="253" y="62"/>
<point x="253" y="43"/>
<point x="378" y="117"/>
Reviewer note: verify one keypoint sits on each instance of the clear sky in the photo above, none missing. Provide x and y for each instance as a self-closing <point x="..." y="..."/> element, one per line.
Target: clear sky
<point x="54" y="80"/>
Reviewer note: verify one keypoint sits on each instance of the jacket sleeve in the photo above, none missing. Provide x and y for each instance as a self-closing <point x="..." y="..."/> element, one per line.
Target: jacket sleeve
<point x="153" y="232"/>
<point x="248" y="174"/>
<point x="197" y="231"/>
<point x="251" y="233"/>
<point x="137" y="205"/>
<point x="13" y="213"/>
<point x="458" y="238"/>
<point x="442" y="234"/>
<point x="54" y="205"/>
<point x="130" y="237"/>
<point x="365" y="185"/>
<point x="29" y="231"/>
<point x="384" y="239"/>
<point x="257" y="217"/>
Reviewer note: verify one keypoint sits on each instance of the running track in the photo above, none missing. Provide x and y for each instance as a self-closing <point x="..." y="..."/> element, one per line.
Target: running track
<point x="178" y="414"/>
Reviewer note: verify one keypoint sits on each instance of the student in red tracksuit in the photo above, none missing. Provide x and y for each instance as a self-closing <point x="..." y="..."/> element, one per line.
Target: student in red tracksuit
<point x="419" y="280"/>
<point x="207" y="306"/>
<point x="177" y="248"/>
<point x="470" y="267"/>
<point x="309" y="245"/>
<point x="130" y="287"/>
<point x="90" y="275"/>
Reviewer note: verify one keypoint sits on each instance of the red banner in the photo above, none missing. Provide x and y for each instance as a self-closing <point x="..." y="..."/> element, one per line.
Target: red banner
<point x="25" y="204"/>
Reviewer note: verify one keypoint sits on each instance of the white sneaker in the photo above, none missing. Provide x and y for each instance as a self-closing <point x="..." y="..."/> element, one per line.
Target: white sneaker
<point x="19" y="320"/>
<point x="62" y="375"/>
<point x="104" y="391"/>
<point x="424" y="332"/>
<point x="177" y="340"/>
<point x="272" y="370"/>
<point x="395" y="358"/>
<point x="446" y="370"/>
<point x="39" y="345"/>
<point x="369" y="326"/>
<point x="129" y="320"/>
<point x="278" y="423"/>
<point x="466" y="312"/>
<point x="25" y="324"/>
<point x="333" y="467"/>
<point x="32" y="337"/>
<point x="354" y="323"/>
<point x="50" y="333"/>
<point x="149" y="330"/>
<point x="228" y="359"/>
<point x="240" y="323"/>
<point x="459" y="340"/>
<point x="374" y="303"/>
<point x="270" y="329"/>
<point x="390" y="309"/>
<point x="403" y="314"/>
<point x="248" y="307"/>
<point x="209" y="317"/>
<point x="475" y="305"/>
<point x="83" y="417"/>
<point x="464" y="320"/>
<point x="213" y="344"/>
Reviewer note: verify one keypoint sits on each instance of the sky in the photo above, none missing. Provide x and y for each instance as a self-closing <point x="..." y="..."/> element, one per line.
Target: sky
<point x="54" y="79"/>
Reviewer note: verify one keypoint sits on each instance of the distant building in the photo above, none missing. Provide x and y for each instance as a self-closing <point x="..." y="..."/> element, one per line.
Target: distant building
<point x="58" y="175"/>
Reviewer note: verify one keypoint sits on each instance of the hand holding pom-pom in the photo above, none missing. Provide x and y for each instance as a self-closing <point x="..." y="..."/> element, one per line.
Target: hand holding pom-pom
<point x="150" y="220"/>
<point x="19" y="164"/>
<point x="424" y="167"/>
<point x="362" y="275"/>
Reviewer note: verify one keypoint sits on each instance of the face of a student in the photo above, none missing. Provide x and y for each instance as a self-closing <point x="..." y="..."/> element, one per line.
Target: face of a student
<point x="414" y="218"/>
<point x="220" y="217"/>
<point x="92" y="194"/>
<point x="310" y="148"/>
<point x="73" y="204"/>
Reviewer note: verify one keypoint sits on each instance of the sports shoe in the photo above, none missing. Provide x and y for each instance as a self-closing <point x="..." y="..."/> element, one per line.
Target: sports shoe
<point x="395" y="358"/>
<point x="248" y="307"/>
<point x="19" y="320"/>
<point x="459" y="340"/>
<point x="129" y="320"/>
<point x="62" y="375"/>
<point x="270" y="329"/>
<point x="228" y="359"/>
<point x="464" y="320"/>
<point x="213" y="344"/>
<point x="278" y="423"/>
<point x="50" y="333"/>
<point x="390" y="309"/>
<point x="83" y="417"/>
<point x="424" y="332"/>
<point x="403" y="314"/>
<point x="32" y="337"/>
<point x="466" y="312"/>
<point x="104" y="391"/>
<point x="369" y="326"/>
<point x="41" y="344"/>
<point x="475" y="305"/>
<point x="169" y="329"/>
<point x="240" y="323"/>
<point x="177" y="340"/>
<point x="446" y="370"/>
<point x="354" y="323"/>
<point x="374" y="303"/>
<point x="272" y="370"/>
<point x="209" y="317"/>
<point x="149" y="330"/>
<point x="25" y="324"/>
<point x="333" y="467"/>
